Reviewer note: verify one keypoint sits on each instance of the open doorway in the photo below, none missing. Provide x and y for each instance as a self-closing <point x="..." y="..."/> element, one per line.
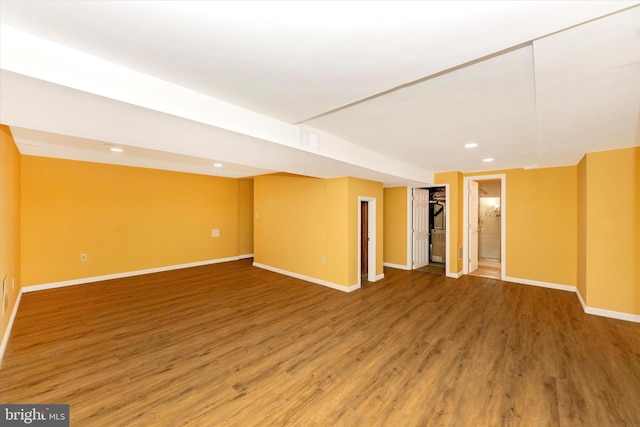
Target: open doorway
<point x="364" y="240"/>
<point x="438" y="228"/>
<point x="484" y="235"/>
<point x="367" y="239"/>
<point x="430" y="233"/>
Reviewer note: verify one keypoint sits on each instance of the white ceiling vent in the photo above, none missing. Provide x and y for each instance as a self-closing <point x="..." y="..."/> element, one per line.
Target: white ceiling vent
<point x="308" y="139"/>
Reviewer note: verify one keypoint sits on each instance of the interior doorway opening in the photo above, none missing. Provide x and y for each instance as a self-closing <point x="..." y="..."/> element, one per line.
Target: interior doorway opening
<point x="366" y="239"/>
<point x="438" y="226"/>
<point x="489" y="229"/>
<point x="430" y="230"/>
<point x="484" y="235"/>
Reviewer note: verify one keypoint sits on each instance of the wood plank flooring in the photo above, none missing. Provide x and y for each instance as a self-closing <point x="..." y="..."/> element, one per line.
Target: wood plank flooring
<point x="233" y="345"/>
<point x="487" y="269"/>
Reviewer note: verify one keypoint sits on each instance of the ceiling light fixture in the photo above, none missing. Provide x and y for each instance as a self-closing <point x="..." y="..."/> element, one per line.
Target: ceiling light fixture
<point x="471" y="145"/>
<point x="116" y="149"/>
<point x="217" y="165"/>
<point x="488" y="159"/>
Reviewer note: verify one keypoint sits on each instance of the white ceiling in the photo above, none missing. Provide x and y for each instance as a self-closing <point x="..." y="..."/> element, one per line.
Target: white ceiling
<point x="389" y="91"/>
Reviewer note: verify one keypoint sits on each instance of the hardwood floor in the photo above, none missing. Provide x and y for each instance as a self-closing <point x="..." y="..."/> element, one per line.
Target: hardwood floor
<point x="488" y="269"/>
<point x="433" y="269"/>
<point x="233" y="345"/>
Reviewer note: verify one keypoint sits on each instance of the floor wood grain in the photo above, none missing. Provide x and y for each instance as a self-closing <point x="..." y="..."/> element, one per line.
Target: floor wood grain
<point x="233" y="345"/>
<point x="487" y="269"/>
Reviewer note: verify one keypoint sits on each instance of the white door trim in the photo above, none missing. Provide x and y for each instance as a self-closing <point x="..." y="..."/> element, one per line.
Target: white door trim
<point x="371" y="274"/>
<point x="503" y="220"/>
<point x="409" y="228"/>
<point x="420" y="236"/>
<point x="447" y="224"/>
<point x="473" y="224"/>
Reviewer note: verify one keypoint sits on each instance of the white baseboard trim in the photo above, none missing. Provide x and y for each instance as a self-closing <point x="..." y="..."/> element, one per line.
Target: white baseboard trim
<point x="582" y="303"/>
<point x="539" y="284"/>
<point x="379" y="277"/>
<point x="613" y="314"/>
<point x="619" y="315"/>
<point x="308" y="278"/>
<point x="455" y="275"/>
<point x="346" y="288"/>
<point x="398" y="266"/>
<point x="589" y="310"/>
<point x="7" y="332"/>
<point x="86" y="280"/>
<point x="245" y="256"/>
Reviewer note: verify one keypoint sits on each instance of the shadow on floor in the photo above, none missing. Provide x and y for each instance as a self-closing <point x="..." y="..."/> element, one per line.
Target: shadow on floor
<point x="435" y="268"/>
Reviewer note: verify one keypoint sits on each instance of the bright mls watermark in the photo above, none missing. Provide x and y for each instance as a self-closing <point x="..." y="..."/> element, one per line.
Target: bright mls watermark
<point x="34" y="415"/>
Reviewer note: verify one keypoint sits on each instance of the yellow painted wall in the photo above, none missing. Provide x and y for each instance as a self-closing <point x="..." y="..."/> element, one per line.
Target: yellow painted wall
<point x="337" y="249"/>
<point x="581" y="273"/>
<point x="245" y="216"/>
<point x="613" y="230"/>
<point x="455" y="206"/>
<point x="124" y="219"/>
<point x="560" y="229"/>
<point x="395" y="225"/>
<point x="361" y="187"/>
<point x="299" y="220"/>
<point x="541" y="224"/>
<point x="291" y="224"/>
<point x="10" y="190"/>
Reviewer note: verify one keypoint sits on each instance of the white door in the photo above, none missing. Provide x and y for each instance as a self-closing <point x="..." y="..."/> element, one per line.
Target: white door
<point x="473" y="226"/>
<point x="420" y="228"/>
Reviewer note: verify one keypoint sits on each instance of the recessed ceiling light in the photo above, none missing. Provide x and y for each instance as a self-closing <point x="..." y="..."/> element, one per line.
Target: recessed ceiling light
<point x="217" y="165"/>
<point x="116" y="149"/>
<point x="488" y="159"/>
<point x="471" y="145"/>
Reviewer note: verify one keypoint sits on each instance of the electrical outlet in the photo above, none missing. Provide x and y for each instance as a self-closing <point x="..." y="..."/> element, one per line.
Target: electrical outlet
<point x="323" y="260"/>
<point x="83" y="257"/>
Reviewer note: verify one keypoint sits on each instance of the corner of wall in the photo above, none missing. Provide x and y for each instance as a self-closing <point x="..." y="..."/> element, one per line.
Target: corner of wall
<point x="10" y="236"/>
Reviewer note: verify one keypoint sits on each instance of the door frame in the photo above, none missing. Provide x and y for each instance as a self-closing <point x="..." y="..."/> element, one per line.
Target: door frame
<point x="371" y="248"/>
<point x="503" y="220"/>
<point x="413" y="230"/>
<point x="447" y="224"/>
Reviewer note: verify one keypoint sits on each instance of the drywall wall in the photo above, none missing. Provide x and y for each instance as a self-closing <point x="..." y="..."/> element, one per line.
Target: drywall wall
<point x="541" y="224"/>
<point x="395" y="226"/>
<point x="611" y="264"/>
<point x="541" y="215"/>
<point x="309" y="226"/>
<point x="581" y="274"/>
<point x="290" y="224"/>
<point x="245" y="217"/>
<point x="123" y="218"/>
<point x="10" y="190"/>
